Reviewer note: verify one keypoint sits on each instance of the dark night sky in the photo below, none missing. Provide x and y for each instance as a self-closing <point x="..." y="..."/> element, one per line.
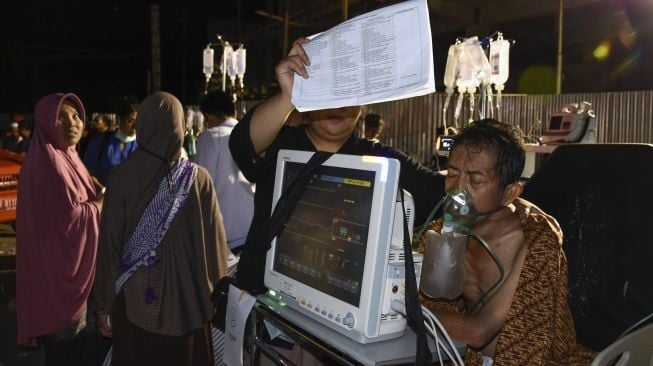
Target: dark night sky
<point x="101" y="49"/>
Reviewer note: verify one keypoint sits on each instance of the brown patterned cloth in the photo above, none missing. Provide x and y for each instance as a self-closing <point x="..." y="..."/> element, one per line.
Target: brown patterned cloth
<point x="539" y="328"/>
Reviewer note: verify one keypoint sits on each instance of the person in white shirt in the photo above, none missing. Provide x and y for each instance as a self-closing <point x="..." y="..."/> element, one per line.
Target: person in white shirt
<point x="234" y="192"/>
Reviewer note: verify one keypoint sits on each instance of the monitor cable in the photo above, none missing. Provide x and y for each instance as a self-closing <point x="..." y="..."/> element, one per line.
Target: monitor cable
<point x="486" y="295"/>
<point x="434" y="327"/>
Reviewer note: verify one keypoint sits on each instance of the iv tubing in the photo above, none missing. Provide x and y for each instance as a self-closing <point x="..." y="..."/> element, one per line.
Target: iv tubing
<point x="471" y="92"/>
<point x="481" y="300"/>
<point x="499" y="88"/>
<point x="423" y="228"/>
<point x="444" y="111"/>
<point x="488" y="93"/>
<point x="459" y="105"/>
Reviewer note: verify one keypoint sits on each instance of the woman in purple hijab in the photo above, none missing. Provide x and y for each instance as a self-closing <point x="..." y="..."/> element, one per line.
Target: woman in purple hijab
<point x="57" y="227"/>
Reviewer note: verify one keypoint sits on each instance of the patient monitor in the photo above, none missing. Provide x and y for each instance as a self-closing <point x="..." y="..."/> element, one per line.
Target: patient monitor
<point x="340" y="259"/>
<point x="576" y="124"/>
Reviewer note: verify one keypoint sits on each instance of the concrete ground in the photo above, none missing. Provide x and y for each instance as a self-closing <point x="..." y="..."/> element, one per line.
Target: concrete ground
<point x="10" y="353"/>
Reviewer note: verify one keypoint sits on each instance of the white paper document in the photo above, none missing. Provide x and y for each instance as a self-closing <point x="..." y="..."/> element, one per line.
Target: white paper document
<point x="375" y="57"/>
<point x="239" y="305"/>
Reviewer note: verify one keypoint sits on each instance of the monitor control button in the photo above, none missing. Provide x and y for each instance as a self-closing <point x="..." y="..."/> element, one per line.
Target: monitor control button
<point x="349" y="320"/>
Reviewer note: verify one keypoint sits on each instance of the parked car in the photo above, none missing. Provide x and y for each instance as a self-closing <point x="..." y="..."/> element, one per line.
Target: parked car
<point x="10" y="164"/>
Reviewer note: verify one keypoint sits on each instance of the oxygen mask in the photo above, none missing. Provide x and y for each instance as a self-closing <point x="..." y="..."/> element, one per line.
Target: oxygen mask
<point x="459" y="211"/>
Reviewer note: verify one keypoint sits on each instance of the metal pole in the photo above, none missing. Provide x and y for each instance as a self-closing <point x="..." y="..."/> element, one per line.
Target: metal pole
<point x="559" y="55"/>
<point x="345" y="10"/>
<point x="184" y="21"/>
<point x="285" y="28"/>
<point x="156" y="48"/>
<point x="224" y="68"/>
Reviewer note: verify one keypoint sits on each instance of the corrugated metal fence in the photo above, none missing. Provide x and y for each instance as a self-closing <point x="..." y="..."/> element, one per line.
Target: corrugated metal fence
<point x="411" y="123"/>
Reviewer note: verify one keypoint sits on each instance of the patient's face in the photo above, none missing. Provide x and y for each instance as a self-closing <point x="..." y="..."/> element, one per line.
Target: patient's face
<point x="474" y="168"/>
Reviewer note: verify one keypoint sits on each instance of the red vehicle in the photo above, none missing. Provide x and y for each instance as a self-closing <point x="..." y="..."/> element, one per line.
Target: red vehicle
<point x="10" y="164"/>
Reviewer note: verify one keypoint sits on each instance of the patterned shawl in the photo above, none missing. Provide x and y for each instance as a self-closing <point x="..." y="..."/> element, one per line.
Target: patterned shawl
<point x="155" y="221"/>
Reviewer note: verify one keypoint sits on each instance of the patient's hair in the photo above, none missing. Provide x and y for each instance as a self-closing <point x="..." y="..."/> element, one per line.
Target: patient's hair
<point x="504" y="140"/>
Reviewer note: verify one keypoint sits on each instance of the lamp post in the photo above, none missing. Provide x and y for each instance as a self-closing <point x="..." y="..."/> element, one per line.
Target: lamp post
<point x="232" y="63"/>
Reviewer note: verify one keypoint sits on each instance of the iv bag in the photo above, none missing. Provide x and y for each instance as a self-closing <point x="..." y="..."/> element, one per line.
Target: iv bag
<point x="479" y="63"/>
<point x="451" y="69"/>
<point x="465" y="73"/>
<point x="207" y="61"/>
<point x="499" y="57"/>
<point x="241" y="61"/>
<point x="228" y="61"/>
<point x="231" y="66"/>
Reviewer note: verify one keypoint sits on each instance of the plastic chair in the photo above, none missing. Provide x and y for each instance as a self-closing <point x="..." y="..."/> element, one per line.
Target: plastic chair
<point x="635" y="348"/>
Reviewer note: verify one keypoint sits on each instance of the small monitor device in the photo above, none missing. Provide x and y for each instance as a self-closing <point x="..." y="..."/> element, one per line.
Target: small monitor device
<point x="443" y="144"/>
<point x="339" y="258"/>
<point x="569" y="128"/>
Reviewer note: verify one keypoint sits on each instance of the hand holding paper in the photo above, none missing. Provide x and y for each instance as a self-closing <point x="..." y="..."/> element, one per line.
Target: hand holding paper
<point x="294" y="64"/>
<point x="375" y="57"/>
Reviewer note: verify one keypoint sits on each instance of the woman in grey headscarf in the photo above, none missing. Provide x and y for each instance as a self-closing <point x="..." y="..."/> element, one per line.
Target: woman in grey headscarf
<point x="162" y="246"/>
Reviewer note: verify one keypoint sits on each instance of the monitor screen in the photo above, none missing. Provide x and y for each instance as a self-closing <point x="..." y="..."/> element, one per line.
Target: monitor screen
<point x="324" y="241"/>
<point x="555" y="123"/>
<point x="336" y="260"/>
<point x="445" y="142"/>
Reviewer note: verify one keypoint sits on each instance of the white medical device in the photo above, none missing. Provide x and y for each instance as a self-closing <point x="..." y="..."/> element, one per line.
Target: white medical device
<point x="340" y="258"/>
<point x="575" y="124"/>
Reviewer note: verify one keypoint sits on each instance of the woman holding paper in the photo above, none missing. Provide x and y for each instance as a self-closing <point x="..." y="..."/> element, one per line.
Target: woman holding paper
<point x="256" y="140"/>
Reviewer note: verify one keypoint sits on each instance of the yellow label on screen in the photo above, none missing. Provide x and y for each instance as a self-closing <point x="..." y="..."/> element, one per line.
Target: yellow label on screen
<point x="358" y="182"/>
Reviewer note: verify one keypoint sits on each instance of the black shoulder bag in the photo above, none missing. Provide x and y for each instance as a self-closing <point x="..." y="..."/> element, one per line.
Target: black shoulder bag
<point x="275" y="224"/>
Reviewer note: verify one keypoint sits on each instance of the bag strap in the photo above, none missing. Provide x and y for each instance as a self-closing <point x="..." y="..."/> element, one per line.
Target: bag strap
<point x="284" y="208"/>
<point x="289" y="197"/>
<point x="413" y="307"/>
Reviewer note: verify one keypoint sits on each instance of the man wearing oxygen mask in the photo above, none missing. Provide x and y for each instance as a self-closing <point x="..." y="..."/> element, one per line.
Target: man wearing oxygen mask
<point x="513" y="307"/>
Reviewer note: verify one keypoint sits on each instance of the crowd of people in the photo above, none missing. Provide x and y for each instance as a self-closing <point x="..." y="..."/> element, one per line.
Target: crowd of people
<point x="132" y="236"/>
<point x="18" y="137"/>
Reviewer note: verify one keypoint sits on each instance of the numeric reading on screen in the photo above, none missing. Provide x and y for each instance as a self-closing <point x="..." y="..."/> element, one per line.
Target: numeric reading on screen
<point x="324" y="241"/>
